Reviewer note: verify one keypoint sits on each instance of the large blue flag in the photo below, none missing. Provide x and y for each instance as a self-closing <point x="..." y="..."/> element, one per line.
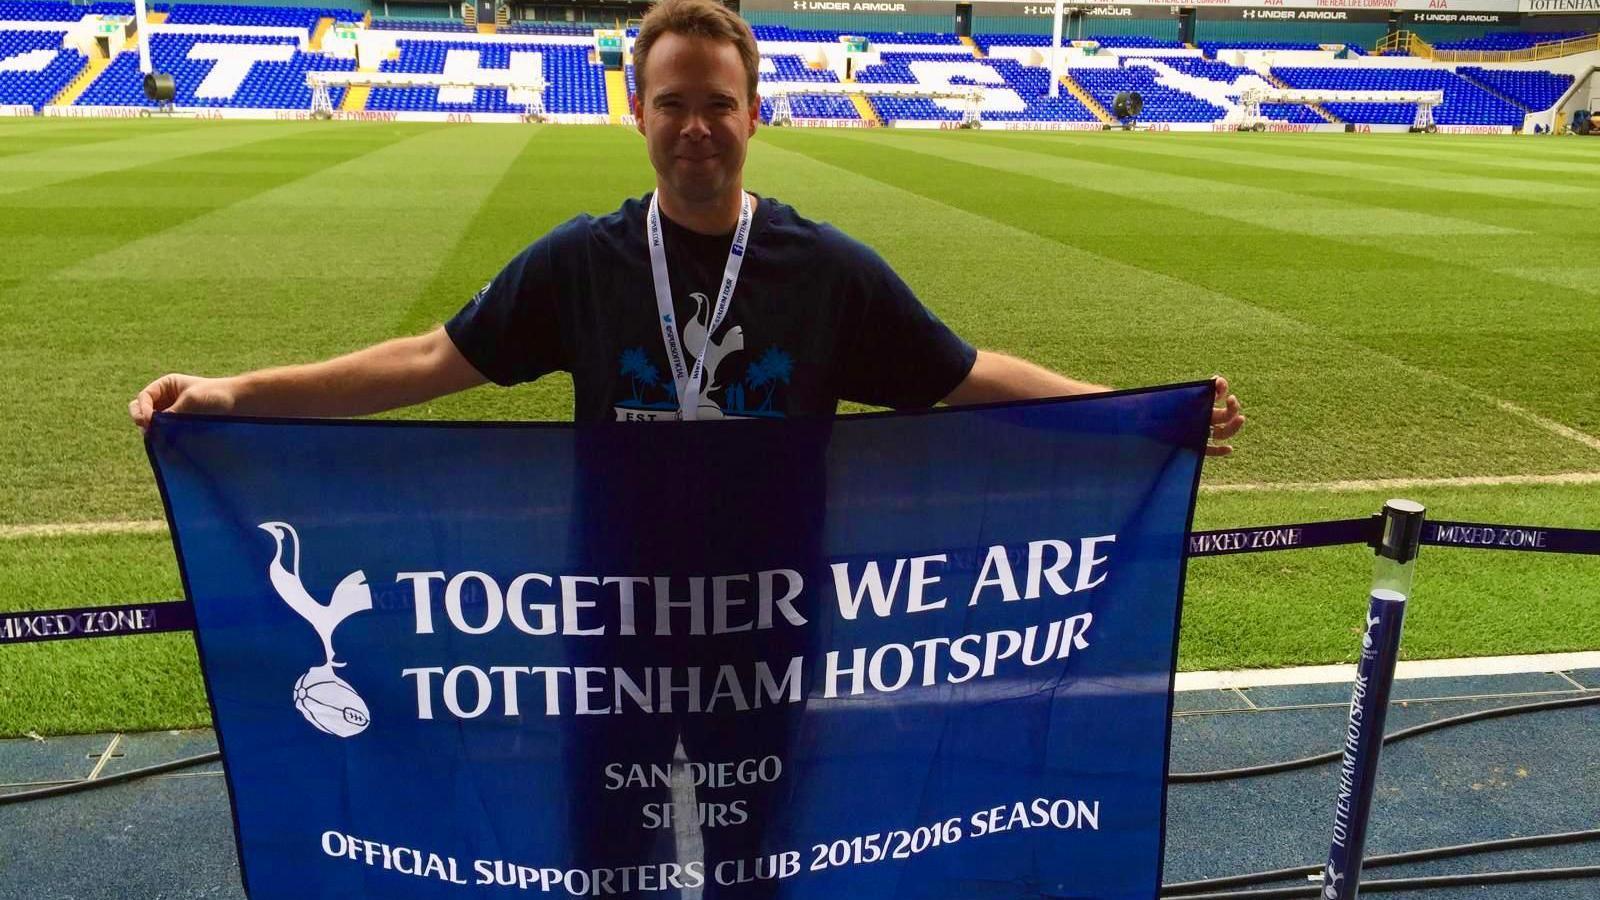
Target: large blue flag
<point x="920" y="655"/>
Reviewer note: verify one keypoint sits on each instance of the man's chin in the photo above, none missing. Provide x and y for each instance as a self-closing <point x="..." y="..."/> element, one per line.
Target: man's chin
<point x="699" y="190"/>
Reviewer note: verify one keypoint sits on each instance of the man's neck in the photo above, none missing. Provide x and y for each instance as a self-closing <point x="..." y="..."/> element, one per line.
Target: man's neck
<point x="714" y="217"/>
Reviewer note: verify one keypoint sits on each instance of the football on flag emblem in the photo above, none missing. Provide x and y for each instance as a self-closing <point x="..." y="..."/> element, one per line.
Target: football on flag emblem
<point x="327" y="701"/>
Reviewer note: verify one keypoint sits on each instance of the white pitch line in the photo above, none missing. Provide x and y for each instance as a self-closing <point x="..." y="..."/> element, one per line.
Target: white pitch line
<point x="69" y="529"/>
<point x="1389" y="484"/>
<point x="105" y="757"/>
<point x="1422" y="668"/>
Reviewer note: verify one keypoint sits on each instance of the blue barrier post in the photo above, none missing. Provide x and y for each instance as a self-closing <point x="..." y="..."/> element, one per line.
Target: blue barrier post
<point x="1369" y="700"/>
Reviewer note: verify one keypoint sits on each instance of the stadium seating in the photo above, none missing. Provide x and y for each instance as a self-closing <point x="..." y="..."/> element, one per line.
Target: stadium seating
<point x="35" y="69"/>
<point x="281" y="17"/>
<point x="985" y="41"/>
<point x="814" y="106"/>
<point x="278" y="83"/>
<point x="39" y="12"/>
<point x="1231" y="75"/>
<point x="1210" y="48"/>
<point x="1464" y="102"/>
<point x="1537" y="91"/>
<point x="233" y="70"/>
<point x="1508" y="40"/>
<point x="573" y="84"/>
<point x="1119" y="41"/>
<point x="1135" y="41"/>
<point x="440" y="25"/>
<point x="1291" y="112"/>
<point x="554" y="29"/>
<point x="1161" y="103"/>
<point x="814" y="36"/>
<point x="791" y="68"/>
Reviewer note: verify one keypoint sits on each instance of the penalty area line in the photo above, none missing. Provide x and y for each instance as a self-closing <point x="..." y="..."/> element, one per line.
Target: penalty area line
<point x="1389" y="484"/>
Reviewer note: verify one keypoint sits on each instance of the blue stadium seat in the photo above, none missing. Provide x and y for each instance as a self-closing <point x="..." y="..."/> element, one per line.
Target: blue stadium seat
<point x="1161" y="103"/>
<point x="269" y="85"/>
<point x="814" y="106"/>
<point x="573" y="84"/>
<point x="1537" y="91"/>
<point x="440" y="25"/>
<point x="1508" y="40"/>
<point x="40" y="12"/>
<point x="37" y="88"/>
<point x="1465" y="103"/>
<point x="282" y="17"/>
<point x="554" y="29"/>
<point x="792" y="68"/>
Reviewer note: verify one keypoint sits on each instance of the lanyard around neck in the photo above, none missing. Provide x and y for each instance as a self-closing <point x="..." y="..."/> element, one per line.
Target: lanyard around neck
<point x="688" y="381"/>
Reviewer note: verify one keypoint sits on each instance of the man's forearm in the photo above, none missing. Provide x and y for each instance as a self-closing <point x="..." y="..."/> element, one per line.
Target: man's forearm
<point x="390" y="375"/>
<point x="996" y="377"/>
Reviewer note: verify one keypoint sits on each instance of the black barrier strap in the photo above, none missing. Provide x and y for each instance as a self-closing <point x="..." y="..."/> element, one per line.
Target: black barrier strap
<point x="1283" y="537"/>
<point x="96" y="621"/>
<point x="155" y="618"/>
<point x="1511" y="537"/>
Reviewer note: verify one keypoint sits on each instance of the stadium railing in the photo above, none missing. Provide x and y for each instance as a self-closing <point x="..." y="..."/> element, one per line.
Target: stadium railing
<point x="1410" y="44"/>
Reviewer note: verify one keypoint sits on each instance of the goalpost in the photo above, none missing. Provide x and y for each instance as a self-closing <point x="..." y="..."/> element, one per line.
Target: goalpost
<point x="1254" y="120"/>
<point x="521" y="90"/>
<point x="970" y="98"/>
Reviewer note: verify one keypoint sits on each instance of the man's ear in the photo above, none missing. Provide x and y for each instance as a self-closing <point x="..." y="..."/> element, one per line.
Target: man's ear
<point x="638" y="111"/>
<point x="755" y="114"/>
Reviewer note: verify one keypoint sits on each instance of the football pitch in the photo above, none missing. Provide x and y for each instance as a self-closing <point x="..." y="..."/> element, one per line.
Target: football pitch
<point x="1401" y="315"/>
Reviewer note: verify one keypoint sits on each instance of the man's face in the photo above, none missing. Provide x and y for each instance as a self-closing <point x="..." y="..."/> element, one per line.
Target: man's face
<point x="695" y="115"/>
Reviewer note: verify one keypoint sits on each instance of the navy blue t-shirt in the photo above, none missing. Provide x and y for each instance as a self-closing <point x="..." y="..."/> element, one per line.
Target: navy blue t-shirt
<point x="817" y="317"/>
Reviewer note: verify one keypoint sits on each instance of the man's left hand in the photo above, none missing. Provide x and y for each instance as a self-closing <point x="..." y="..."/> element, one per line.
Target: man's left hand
<point x="1225" y="419"/>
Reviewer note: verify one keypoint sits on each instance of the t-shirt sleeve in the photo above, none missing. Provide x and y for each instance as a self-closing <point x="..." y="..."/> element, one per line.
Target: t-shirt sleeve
<point x="900" y="355"/>
<point x="511" y="330"/>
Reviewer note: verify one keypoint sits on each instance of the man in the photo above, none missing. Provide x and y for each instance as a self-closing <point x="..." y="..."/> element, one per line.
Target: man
<point x="700" y="301"/>
<point x="811" y="316"/>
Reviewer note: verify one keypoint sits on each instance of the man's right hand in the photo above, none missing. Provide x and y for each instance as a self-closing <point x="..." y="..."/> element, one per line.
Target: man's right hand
<point x="181" y="393"/>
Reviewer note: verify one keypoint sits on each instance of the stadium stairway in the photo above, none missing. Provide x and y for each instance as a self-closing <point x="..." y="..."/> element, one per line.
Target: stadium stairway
<point x="1317" y="108"/>
<point x="85" y="77"/>
<point x="972" y="45"/>
<point x="1086" y="98"/>
<point x="864" y="109"/>
<point x="1490" y="88"/>
<point x="486" y="28"/>
<point x="323" y="24"/>
<point x="355" y="98"/>
<point x="616" y="95"/>
<point x="1403" y="43"/>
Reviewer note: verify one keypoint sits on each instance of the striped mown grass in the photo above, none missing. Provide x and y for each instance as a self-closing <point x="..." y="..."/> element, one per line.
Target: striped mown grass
<point x="1387" y="306"/>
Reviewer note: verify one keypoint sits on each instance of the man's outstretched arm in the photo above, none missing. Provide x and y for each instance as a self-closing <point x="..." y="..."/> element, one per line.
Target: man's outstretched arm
<point x="996" y="377"/>
<point x="396" y="373"/>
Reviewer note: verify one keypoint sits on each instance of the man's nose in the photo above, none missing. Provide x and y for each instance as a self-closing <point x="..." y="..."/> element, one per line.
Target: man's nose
<point x="695" y="127"/>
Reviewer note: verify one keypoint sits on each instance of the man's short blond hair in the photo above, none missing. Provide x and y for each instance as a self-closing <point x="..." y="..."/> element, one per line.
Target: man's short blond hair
<point x="699" y="19"/>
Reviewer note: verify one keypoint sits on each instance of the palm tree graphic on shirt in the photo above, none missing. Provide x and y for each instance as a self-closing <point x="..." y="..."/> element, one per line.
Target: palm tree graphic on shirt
<point x="773" y="368"/>
<point x="638" y="367"/>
